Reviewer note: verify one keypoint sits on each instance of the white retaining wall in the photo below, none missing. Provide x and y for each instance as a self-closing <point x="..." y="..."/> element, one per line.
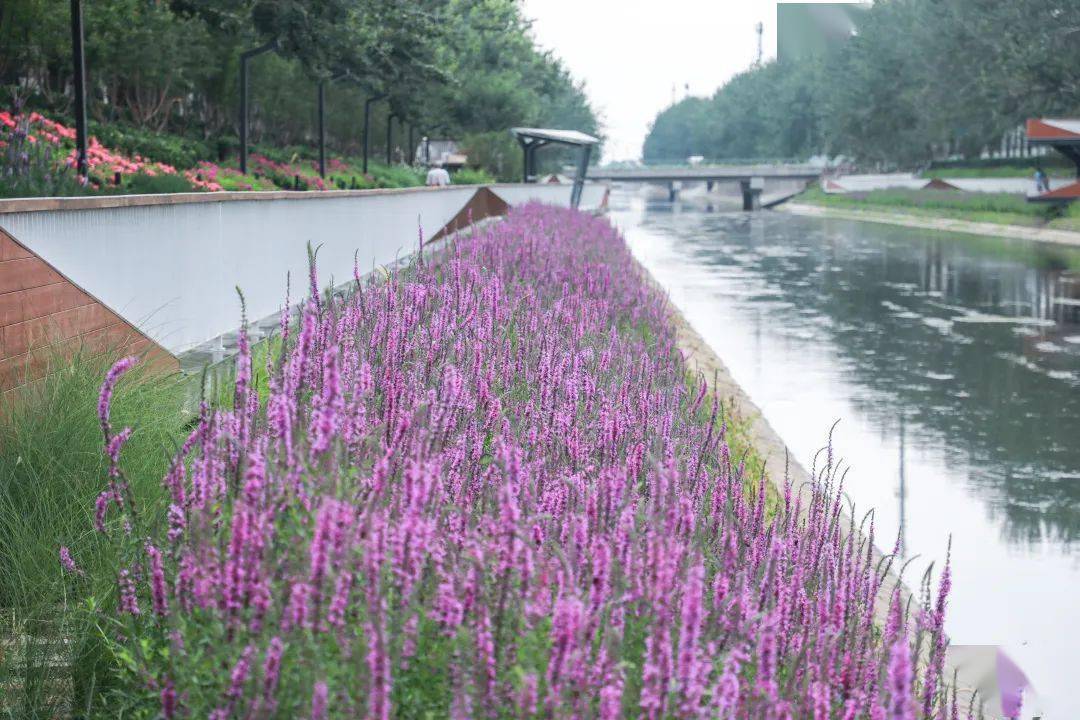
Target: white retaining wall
<point x="171" y="269"/>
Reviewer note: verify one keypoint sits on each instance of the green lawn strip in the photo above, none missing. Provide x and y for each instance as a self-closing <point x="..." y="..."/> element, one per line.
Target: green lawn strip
<point x="998" y="172"/>
<point x="1000" y="208"/>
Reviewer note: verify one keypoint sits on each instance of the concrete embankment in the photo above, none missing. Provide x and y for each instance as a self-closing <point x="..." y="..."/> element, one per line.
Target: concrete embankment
<point x="1018" y="232"/>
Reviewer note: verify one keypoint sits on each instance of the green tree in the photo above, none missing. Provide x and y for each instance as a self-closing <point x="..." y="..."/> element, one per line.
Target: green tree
<point x="919" y="78"/>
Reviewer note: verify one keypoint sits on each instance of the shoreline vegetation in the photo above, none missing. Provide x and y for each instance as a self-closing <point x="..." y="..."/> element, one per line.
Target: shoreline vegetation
<point x="545" y="508"/>
<point x="1012" y="215"/>
<point x="881" y="97"/>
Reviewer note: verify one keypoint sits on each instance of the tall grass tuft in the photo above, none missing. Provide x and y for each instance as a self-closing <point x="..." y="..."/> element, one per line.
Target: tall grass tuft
<point x="51" y="469"/>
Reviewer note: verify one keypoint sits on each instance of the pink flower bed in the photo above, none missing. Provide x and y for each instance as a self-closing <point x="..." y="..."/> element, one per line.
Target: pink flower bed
<point x="483" y="488"/>
<point x="102" y="162"/>
<point x="262" y="165"/>
<point x="205" y="176"/>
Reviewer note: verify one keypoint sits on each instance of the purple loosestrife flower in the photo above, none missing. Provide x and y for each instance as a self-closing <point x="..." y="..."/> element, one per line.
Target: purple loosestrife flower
<point x="497" y="452"/>
<point x="320" y="544"/>
<point x="158" y="590"/>
<point x="379" y="670"/>
<point x="901" y="703"/>
<point x="272" y="671"/>
<point x="168" y="700"/>
<point x="767" y="658"/>
<point x="240" y="671"/>
<point x="937" y="640"/>
<point x="527" y="695"/>
<point x="690" y="672"/>
<point x="113" y="448"/>
<point x="335" y="614"/>
<point x="68" y="563"/>
<point x="819" y="692"/>
<point x="726" y="692"/>
<point x="318" y="701"/>
<point x="101" y="508"/>
<point x="106" y="394"/>
<point x="325" y="421"/>
<point x="298" y="612"/>
<point x="129" y="601"/>
<point x="177" y="523"/>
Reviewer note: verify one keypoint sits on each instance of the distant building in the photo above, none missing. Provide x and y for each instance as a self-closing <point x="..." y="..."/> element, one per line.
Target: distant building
<point x="443" y="152"/>
<point x="556" y="179"/>
<point x="810" y="29"/>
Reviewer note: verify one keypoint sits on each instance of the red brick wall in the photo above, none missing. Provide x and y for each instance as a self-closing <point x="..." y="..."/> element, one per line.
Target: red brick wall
<point x="483" y="204"/>
<point x="43" y="315"/>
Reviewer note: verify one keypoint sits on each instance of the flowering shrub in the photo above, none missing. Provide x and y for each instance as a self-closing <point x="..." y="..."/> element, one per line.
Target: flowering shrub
<point x="31" y="167"/>
<point x="205" y="176"/>
<point x="481" y="487"/>
<point x="105" y="163"/>
<point x="286" y="174"/>
<point x="102" y="163"/>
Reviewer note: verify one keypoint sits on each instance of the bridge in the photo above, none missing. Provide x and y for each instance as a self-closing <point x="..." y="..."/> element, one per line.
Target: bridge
<point x="750" y="177"/>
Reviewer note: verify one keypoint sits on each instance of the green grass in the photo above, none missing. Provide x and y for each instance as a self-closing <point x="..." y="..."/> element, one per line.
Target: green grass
<point x="51" y="470"/>
<point x="471" y="176"/>
<point x="740" y="444"/>
<point x="1070" y="219"/>
<point x="996" y="172"/>
<point x="1002" y="208"/>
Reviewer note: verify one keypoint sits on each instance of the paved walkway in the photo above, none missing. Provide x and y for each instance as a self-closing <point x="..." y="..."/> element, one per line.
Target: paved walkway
<point x="1020" y="232"/>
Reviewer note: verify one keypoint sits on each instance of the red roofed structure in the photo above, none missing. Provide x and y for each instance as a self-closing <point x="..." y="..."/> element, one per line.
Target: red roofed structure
<point x="1064" y="136"/>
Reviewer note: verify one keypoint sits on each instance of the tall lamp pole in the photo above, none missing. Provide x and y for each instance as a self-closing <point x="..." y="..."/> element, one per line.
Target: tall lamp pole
<point x="245" y="58"/>
<point x="389" y="135"/>
<point x="322" y="129"/>
<point x="79" y="60"/>
<point x="367" y="126"/>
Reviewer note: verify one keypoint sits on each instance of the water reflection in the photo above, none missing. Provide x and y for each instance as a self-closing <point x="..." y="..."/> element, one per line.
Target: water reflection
<point x="953" y="363"/>
<point x="977" y="340"/>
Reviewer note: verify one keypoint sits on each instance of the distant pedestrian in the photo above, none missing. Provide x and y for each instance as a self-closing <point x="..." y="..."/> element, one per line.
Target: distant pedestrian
<point x="437" y="176"/>
<point x="1042" y="182"/>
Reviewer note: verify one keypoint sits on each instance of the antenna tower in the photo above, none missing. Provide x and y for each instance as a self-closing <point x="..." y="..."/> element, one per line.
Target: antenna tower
<point x="760" y="28"/>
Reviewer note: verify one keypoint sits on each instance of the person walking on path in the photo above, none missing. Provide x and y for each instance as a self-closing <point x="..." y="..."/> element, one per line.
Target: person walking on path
<point x="437" y="176"/>
<point x="1042" y="182"/>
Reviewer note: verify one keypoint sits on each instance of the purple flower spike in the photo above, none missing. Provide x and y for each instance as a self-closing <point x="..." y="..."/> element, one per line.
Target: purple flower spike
<point x="107" y="387"/>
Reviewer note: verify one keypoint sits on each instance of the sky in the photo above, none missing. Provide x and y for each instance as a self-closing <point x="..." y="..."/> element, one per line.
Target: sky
<point x="630" y="53"/>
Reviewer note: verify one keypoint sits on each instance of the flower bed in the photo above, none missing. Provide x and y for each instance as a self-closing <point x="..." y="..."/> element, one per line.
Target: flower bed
<point x="484" y="488"/>
<point x="104" y="165"/>
<point x="110" y="170"/>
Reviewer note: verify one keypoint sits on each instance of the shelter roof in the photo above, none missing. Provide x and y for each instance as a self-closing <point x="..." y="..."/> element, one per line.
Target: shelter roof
<point x="1057" y="131"/>
<point x="566" y="137"/>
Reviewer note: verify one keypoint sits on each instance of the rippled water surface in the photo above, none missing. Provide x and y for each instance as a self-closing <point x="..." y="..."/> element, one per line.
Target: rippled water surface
<point x="953" y="365"/>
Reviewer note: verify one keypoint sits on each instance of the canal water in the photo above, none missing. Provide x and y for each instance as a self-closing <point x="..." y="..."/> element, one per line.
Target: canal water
<point x="953" y="365"/>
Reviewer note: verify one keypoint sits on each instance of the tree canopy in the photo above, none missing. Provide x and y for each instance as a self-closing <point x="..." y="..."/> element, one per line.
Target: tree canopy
<point x="454" y="68"/>
<point x="919" y="79"/>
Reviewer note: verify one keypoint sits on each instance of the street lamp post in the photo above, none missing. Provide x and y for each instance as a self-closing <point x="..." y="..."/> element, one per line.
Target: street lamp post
<point x="79" y="61"/>
<point x="389" y="135"/>
<point x="322" y="129"/>
<point x="367" y="126"/>
<point x="246" y="57"/>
